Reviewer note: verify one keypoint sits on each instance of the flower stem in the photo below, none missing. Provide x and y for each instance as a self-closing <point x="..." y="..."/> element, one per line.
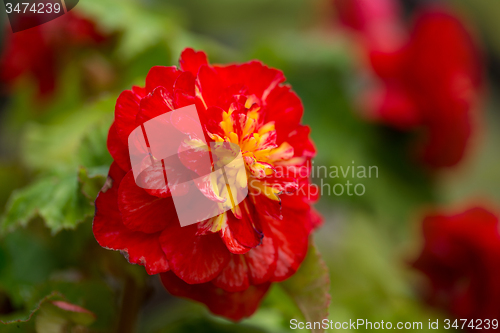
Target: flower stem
<point x="133" y="297"/>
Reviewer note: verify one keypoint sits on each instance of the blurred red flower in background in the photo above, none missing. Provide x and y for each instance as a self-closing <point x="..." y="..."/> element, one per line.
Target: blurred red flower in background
<point x="229" y="261"/>
<point x="38" y="52"/>
<point x="461" y="258"/>
<point x="427" y="77"/>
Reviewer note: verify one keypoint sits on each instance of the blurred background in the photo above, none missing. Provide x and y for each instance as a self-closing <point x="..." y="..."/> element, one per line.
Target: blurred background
<point x="407" y="86"/>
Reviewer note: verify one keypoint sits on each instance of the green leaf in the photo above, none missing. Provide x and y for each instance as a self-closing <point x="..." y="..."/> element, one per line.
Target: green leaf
<point x="91" y="181"/>
<point x="52" y="296"/>
<point x="11" y="177"/>
<point x="94" y="296"/>
<point x="309" y="288"/>
<point x="94" y="160"/>
<point x="34" y="263"/>
<point x="57" y="199"/>
<point x="59" y="316"/>
<point x="26" y="261"/>
<point x="93" y="152"/>
<point x="184" y="316"/>
<point x="370" y="275"/>
<point x="141" y="26"/>
<point x="55" y="147"/>
<point x="68" y="304"/>
<point x="74" y="156"/>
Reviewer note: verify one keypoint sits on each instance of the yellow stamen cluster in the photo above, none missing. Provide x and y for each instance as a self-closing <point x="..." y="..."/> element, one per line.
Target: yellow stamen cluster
<point x="260" y="153"/>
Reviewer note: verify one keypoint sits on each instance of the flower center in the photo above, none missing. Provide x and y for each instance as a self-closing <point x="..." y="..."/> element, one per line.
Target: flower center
<point x="243" y="124"/>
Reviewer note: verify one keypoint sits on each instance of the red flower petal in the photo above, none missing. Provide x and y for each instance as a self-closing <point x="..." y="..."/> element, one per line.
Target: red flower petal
<point x="153" y="105"/>
<point x="193" y="156"/>
<point x="195" y="259"/>
<point x="267" y="206"/>
<point x="152" y="180"/>
<point x="208" y="84"/>
<point x="362" y="14"/>
<point x="315" y="220"/>
<point x="182" y="99"/>
<point x="444" y="85"/>
<point x="291" y="238"/>
<point x="232" y="244"/>
<point x="126" y="109"/>
<point x="262" y="260"/>
<point x="234" y="277"/>
<point x="257" y="77"/>
<point x="378" y="20"/>
<point x="463" y="248"/>
<point x="285" y="108"/>
<point x="234" y="306"/>
<point x="82" y="31"/>
<point x="446" y="141"/>
<point x="241" y="235"/>
<point x="206" y="187"/>
<point x="184" y="92"/>
<point x="431" y="80"/>
<point x="213" y="117"/>
<point x="394" y="106"/>
<point x="300" y="204"/>
<point x="44" y="48"/>
<point x="139" y="248"/>
<point x="186" y="82"/>
<point x="227" y="96"/>
<point x="162" y="76"/>
<point x="142" y="211"/>
<point x="283" y="181"/>
<point x="191" y="61"/>
<point x="267" y="141"/>
<point x="187" y="124"/>
<point x="301" y="143"/>
<point x="118" y="149"/>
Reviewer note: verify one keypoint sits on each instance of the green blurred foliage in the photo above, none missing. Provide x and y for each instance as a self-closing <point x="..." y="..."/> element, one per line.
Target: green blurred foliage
<point x="372" y="280"/>
<point x="61" y="152"/>
<point x="37" y="266"/>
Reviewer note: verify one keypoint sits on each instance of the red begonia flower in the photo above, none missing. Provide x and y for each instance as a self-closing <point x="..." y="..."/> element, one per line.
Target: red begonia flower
<point x="428" y="76"/>
<point x="378" y="21"/>
<point x="461" y="258"/>
<point x="228" y="261"/>
<point x="38" y="51"/>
